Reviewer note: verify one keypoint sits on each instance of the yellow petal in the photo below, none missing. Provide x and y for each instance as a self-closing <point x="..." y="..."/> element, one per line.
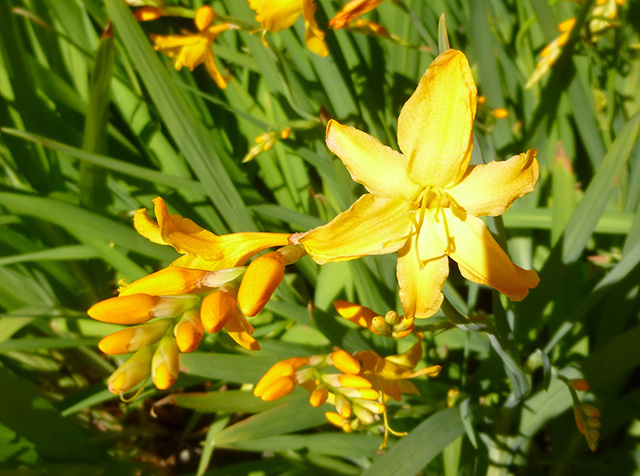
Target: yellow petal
<point x="224" y="251"/>
<point x="421" y="281"/>
<point x="382" y="170"/>
<point x="276" y="15"/>
<point x="213" y="71"/>
<point x="204" y="17"/>
<point x="313" y="36"/>
<point x="167" y="282"/>
<point x="372" y="226"/>
<point x="434" y="127"/>
<point x="240" y="330"/>
<point x="355" y="312"/>
<point x="491" y="189"/>
<point x="481" y="259"/>
<point x="147" y="227"/>
<point x="352" y="10"/>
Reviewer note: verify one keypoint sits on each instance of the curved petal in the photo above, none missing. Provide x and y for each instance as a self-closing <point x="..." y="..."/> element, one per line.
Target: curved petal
<point x="313" y="36"/>
<point x="434" y="127"/>
<point x="481" y="259"/>
<point x="240" y="330"/>
<point x="214" y="72"/>
<point x="147" y="226"/>
<point x="421" y="281"/>
<point x="224" y="251"/>
<point x="382" y="170"/>
<point x="351" y="11"/>
<point x="491" y="189"/>
<point x="372" y="226"/>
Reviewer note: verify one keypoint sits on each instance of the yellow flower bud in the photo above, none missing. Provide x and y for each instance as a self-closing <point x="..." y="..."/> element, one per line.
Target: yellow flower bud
<point x="345" y="362"/>
<point x="370" y="405"/>
<point x="165" y="365"/>
<point x="131" y="373"/>
<point x="500" y="113"/>
<point x="278" y="388"/>
<point x="319" y="396"/>
<point x="261" y="279"/>
<point x="363" y="414"/>
<point x="285" y="133"/>
<point x="339" y="421"/>
<point x="216" y="310"/>
<point x="204" y="17"/>
<point x="148" y="13"/>
<point x="133" y="309"/>
<point x="189" y="331"/>
<point x="343" y="405"/>
<point x="392" y="318"/>
<point x="133" y="338"/>
<point x="167" y="282"/>
<point x="282" y="369"/>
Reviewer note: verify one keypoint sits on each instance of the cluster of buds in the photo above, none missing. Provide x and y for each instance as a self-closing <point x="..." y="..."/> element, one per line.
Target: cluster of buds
<point x="170" y="310"/>
<point x="587" y="416"/>
<point x="389" y="325"/>
<point x="359" y="393"/>
<point x="265" y="142"/>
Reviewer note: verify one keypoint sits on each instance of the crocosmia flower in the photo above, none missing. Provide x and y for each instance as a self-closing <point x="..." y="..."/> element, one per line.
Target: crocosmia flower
<point x="352" y="10"/>
<point x="278" y="15"/>
<point x="193" y="49"/>
<point x="425" y="202"/>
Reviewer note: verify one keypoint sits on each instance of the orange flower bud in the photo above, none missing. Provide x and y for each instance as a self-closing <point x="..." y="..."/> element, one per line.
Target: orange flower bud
<point x="579" y="384"/>
<point x="567" y="25"/>
<point x="500" y="113"/>
<point x="165" y="365"/>
<point x="261" y="279"/>
<point x="339" y="421"/>
<point x="133" y="309"/>
<point x="345" y="362"/>
<point x="282" y="369"/>
<point x="133" y="338"/>
<point x="354" y="381"/>
<point x="355" y="313"/>
<point x="216" y="310"/>
<point x="189" y="331"/>
<point x="285" y="133"/>
<point x="148" y="13"/>
<point x="204" y="17"/>
<point x="167" y="282"/>
<point x="279" y="388"/>
<point x="131" y="373"/>
<point x="319" y="396"/>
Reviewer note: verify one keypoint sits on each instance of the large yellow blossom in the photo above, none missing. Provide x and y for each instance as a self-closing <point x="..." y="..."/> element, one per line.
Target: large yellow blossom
<point x="424" y="203"/>
<point x="278" y="15"/>
<point x="193" y="49"/>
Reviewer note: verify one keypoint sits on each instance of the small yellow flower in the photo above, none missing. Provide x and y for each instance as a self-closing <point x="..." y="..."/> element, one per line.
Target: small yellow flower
<point x="351" y="11"/>
<point x="193" y="49"/>
<point x="425" y="204"/>
<point x="278" y="15"/>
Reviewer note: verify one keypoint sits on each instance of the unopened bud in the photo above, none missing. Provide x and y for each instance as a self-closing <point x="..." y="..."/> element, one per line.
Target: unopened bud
<point x="283" y="368"/>
<point x="579" y="384"/>
<point x="362" y="414"/>
<point x="392" y="318"/>
<point x="278" y="388"/>
<point x="165" y="365"/>
<point x="167" y="282"/>
<point x="339" y="421"/>
<point x="131" y="373"/>
<point x="189" y="331"/>
<point x="345" y="362"/>
<point x="132" y="309"/>
<point x="500" y="113"/>
<point x="148" y="13"/>
<point x="319" y="396"/>
<point x="133" y="338"/>
<point x="204" y="17"/>
<point x="261" y="279"/>
<point x="216" y="310"/>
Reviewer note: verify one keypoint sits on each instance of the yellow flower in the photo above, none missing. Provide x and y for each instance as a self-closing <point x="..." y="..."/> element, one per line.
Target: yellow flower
<point x="351" y="11"/>
<point x="202" y="249"/>
<point x="424" y="203"/>
<point x="193" y="49"/>
<point x="277" y="15"/>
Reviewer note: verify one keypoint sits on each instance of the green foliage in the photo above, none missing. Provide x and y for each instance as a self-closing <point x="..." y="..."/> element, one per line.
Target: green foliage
<point x="93" y="127"/>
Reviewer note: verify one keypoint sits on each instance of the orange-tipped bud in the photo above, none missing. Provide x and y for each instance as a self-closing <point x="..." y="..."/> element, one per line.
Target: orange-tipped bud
<point x="134" y="338"/>
<point x="365" y="393"/>
<point x="216" y="310"/>
<point x="500" y="113"/>
<point x="567" y="25"/>
<point x="189" y="331"/>
<point x="133" y="309"/>
<point x="345" y="362"/>
<point x="283" y="368"/>
<point x="131" y="373"/>
<point x="590" y="410"/>
<point x="379" y="326"/>
<point x="319" y="396"/>
<point x="204" y="17"/>
<point x="370" y="405"/>
<point x="285" y="133"/>
<point x="339" y="421"/>
<point x="148" y="13"/>
<point x="579" y="384"/>
<point x="261" y="279"/>
<point x="167" y="282"/>
<point x="165" y="365"/>
<point x="354" y="381"/>
<point x="355" y="312"/>
<point x="279" y="388"/>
